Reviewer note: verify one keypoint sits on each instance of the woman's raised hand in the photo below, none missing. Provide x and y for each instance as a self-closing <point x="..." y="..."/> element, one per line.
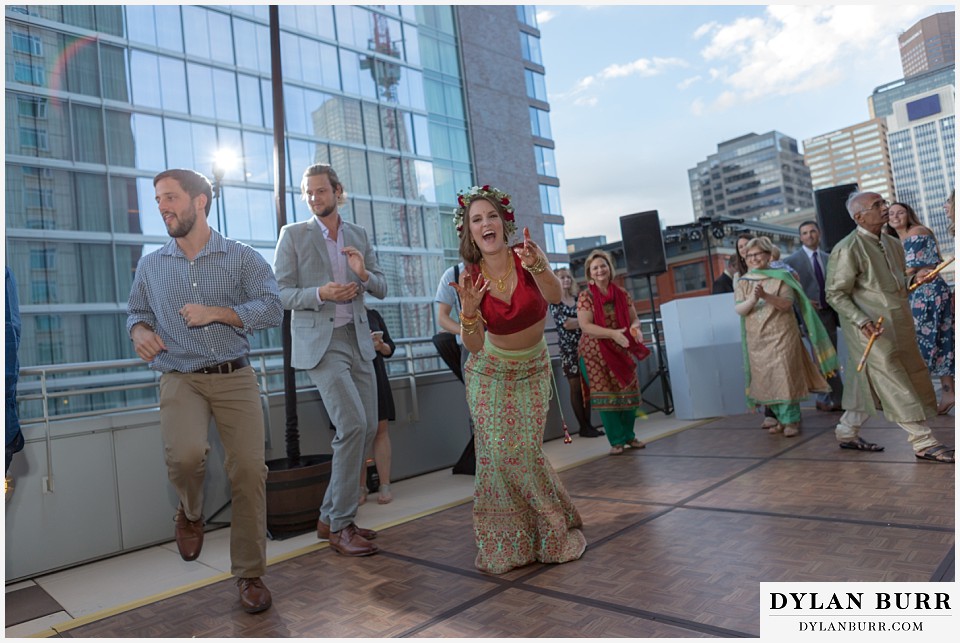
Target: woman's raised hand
<point x="530" y="252"/>
<point x="471" y="292"/>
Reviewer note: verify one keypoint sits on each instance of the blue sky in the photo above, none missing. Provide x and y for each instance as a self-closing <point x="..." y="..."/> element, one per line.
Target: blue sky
<point x="641" y="93"/>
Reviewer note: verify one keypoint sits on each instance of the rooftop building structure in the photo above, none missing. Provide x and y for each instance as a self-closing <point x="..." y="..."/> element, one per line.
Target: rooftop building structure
<point x="754" y="176"/>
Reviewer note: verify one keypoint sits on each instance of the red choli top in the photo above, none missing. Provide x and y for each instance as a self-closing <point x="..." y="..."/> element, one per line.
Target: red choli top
<point x="527" y="305"/>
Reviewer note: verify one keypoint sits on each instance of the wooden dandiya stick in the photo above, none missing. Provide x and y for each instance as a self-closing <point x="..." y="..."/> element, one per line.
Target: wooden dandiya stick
<point x="930" y="275"/>
<point x="873" y="338"/>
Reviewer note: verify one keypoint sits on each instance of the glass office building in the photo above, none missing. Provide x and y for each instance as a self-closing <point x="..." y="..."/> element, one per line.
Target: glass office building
<point x="101" y="98"/>
<point x="922" y="139"/>
<point x="755" y="176"/>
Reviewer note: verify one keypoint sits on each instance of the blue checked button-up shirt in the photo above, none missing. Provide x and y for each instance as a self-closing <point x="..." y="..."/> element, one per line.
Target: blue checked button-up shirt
<point x="225" y="273"/>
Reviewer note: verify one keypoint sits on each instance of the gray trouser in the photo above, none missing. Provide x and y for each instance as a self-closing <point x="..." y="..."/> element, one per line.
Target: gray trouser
<point x="348" y="390"/>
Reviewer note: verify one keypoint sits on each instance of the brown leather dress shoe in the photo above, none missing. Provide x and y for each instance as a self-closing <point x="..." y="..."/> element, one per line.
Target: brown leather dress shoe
<point x="189" y="535"/>
<point x="349" y="542"/>
<point x="323" y="531"/>
<point x="254" y="595"/>
<point x="829" y="408"/>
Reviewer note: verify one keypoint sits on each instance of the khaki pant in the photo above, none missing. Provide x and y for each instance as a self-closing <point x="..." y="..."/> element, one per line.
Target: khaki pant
<point x="918" y="434"/>
<point x="187" y="401"/>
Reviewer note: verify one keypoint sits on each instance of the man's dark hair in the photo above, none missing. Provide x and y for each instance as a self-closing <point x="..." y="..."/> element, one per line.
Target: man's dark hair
<point x="192" y="182"/>
<point x="808" y="222"/>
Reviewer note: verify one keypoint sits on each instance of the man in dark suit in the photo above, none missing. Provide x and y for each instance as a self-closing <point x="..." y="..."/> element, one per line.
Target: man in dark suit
<point x="811" y="265"/>
<point x="324" y="266"/>
<point x="724" y="283"/>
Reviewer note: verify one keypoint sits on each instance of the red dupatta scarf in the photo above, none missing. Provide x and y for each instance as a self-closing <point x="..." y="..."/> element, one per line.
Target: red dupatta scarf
<point x="619" y="360"/>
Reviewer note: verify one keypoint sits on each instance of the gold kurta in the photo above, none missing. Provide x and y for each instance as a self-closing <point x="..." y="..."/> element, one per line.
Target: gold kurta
<point x="781" y="369"/>
<point x="866" y="279"/>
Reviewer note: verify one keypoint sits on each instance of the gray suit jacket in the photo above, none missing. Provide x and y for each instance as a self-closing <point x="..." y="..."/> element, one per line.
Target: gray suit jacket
<point x="302" y="265"/>
<point x="801" y="263"/>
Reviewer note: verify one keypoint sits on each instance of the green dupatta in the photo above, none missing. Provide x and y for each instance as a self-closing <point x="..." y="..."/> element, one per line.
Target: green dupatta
<point x="824" y="353"/>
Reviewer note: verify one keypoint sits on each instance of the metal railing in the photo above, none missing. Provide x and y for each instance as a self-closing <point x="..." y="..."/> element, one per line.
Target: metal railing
<point x="45" y="392"/>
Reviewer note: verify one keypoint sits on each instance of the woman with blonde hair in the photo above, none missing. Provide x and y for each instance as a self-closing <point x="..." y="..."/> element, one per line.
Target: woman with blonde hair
<point x="568" y="335"/>
<point x="521" y="511"/>
<point x="779" y="371"/>
<point x="610" y="343"/>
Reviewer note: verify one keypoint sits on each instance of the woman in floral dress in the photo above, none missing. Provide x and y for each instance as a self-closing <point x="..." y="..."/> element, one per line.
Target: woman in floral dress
<point x="931" y="303"/>
<point x="568" y="334"/>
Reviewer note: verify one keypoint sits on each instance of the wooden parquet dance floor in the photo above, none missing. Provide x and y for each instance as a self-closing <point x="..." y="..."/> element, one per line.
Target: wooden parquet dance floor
<point x="680" y="535"/>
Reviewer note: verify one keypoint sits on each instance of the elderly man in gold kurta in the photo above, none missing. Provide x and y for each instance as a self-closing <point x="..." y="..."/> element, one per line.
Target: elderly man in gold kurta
<point x="866" y="280"/>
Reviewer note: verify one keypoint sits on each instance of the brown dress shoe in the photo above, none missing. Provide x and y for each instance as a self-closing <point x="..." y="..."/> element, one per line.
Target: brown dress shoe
<point x="189" y="535"/>
<point x="254" y="595"/>
<point x="323" y="531"/>
<point x="349" y="542"/>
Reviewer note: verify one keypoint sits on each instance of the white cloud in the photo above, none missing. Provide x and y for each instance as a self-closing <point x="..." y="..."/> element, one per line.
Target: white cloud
<point x="644" y="67"/>
<point x="797" y="48"/>
<point x="545" y="15"/>
<point x="686" y="83"/>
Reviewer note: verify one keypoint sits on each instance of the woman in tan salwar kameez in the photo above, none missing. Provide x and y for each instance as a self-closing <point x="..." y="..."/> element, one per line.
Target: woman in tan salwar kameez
<point x="779" y="371"/>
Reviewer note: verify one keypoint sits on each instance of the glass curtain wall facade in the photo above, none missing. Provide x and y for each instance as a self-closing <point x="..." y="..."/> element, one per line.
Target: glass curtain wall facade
<point x="101" y="98"/>
<point x="543" y="147"/>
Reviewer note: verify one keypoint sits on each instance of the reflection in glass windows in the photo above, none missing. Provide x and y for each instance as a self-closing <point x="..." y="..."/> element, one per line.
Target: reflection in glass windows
<point x="88" y="128"/>
<point x="120" y="146"/>
<point x="49" y="199"/>
<point x="540" y="123"/>
<point x="550" y="199"/>
<point x="208" y="34"/>
<point x="556" y="242"/>
<point x="124" y="206"/>
<point x="252" y="44"/>
<point x="536" y="84"/>
<point x="527" y="14"/>
<point x="113" y="72"/>
<point x="62" y="273"/>
<point x="313" y="19"/>
<point x="357" y="75"/>
<point x="351" y="167"/>
<point x="530" y="48"/>
<point x="546" y="163"/>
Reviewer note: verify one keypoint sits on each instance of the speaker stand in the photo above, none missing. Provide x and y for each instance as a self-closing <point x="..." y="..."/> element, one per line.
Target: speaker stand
<point x="662" y="373"/>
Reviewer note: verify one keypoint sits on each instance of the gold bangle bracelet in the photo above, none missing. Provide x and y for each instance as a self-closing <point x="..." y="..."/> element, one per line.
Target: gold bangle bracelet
<point x="539" y="266"/>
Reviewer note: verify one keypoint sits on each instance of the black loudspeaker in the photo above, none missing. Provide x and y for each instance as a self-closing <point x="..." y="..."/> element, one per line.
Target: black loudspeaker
<point x="835" y="221"/>
<point x="643" y="243"/>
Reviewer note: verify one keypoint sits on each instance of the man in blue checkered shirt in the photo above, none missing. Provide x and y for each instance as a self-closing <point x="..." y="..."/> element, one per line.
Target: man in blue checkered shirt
<point x="191" y="307"/>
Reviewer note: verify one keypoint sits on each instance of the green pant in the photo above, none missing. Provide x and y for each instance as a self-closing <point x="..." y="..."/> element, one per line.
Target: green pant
<point x="786" y="413"/>
<point x="619" y="425"/>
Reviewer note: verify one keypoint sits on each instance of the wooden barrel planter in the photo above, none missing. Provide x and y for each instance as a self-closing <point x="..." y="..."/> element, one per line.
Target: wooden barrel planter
<point x="294" y="494"/>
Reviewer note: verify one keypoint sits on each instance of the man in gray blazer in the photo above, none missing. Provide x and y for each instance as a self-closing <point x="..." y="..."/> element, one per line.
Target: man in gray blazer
<point x="324" y="266"/>
<point x="811" y="265"/>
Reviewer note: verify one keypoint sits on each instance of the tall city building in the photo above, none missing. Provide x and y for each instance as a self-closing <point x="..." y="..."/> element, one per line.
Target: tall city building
<point x="398" y="98"/>
<point x="883" y="97"/>
<point x="755" y="176"/>
<point x="922" y="139"/>
<point x="929" y="44"/>
<point x="855" y="154"/>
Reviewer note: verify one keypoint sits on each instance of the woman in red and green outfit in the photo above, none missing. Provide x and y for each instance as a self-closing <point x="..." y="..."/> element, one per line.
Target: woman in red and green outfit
<point x="610" y="342"/>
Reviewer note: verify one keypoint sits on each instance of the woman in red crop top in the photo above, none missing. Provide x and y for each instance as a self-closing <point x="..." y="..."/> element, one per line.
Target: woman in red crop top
<point x="521" y="511"/>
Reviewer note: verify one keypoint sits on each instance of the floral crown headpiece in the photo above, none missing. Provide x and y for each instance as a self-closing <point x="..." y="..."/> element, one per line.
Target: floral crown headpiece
<point x="464" y="197"/>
